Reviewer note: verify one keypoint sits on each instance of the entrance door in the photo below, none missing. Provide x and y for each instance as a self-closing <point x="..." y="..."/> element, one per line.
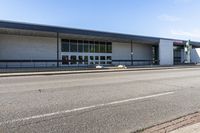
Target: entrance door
<point x="73" y="60"/>
<point x="177" y="55"/>
<point x="65" y="60"/>
<point x="91" y="60"/>
<point x="155" y="54"/>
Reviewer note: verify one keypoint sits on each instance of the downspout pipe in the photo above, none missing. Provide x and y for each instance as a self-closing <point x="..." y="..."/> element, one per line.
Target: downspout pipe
<point x="131" y="53"/>
<point x="57" y="49"/>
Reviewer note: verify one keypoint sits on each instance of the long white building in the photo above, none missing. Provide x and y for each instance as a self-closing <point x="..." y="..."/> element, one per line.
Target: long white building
<point x="33" y="45"/>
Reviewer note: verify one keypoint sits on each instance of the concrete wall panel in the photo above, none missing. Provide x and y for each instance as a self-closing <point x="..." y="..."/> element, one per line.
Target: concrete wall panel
<point x="166" y="53"/>
<point x="122" y="51"/>
<point x="14" y="47"/>
<point x="195" y="55"/>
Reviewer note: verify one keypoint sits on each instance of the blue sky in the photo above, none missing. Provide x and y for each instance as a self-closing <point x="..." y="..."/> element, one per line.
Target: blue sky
<point x="162" y="18"/>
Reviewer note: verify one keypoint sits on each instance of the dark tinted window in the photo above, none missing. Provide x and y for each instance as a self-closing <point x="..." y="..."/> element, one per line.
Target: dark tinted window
<point x="73" y="46"/>
<point x="86" y="59"/>
<point x="86" y="46"/>
<point x="91" y="47"/>
<point x="80" y="46"/>
<point x="80" y="59"/>
<point x="65" y="46"/>
<point x="97" y="47"/>
<point x="96" y="57"/>
<point x="102" y="47"/>
<point x="91" y="57"/>
<point x="65" y="60"/>
<point x="73" y="59"/>
<point x="109" y="58"/>
<point x="109" y="47"/>
<point x="86" y="49"/>
<point x="102" y="58"/>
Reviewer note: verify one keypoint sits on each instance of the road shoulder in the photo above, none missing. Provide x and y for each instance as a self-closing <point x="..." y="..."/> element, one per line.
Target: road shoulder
<point x="11" y="74"/>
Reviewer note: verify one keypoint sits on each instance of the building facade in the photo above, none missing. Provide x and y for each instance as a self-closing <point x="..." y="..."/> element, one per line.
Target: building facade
<point x="31" y="45"/>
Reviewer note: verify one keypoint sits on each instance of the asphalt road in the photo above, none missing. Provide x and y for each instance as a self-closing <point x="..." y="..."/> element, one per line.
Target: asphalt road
<point x="97" y="103"/>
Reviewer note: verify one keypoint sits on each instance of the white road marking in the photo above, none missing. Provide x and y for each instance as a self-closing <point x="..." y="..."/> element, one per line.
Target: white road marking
<point x="84" y="108"/>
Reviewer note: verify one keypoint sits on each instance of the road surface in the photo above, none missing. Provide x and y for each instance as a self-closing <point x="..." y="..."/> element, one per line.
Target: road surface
<point x="117" y="102"/>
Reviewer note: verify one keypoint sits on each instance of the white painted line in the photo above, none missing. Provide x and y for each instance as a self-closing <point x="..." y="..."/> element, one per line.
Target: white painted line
<point x="84" y="108"/>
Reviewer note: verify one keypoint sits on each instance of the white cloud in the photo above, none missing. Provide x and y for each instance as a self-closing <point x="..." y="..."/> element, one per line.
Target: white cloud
<point x="194" y="34"/>
<point x="168" y="18"/>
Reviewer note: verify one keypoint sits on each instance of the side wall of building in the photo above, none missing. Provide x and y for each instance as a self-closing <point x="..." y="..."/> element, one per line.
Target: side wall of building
<point x="14" y="47"/>
<point x="166" y="52"/>
<point x="195" y="55"/>
<point x="122" y="51"/>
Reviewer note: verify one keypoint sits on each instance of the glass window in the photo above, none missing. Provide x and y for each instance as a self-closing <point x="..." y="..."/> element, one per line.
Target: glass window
<point x="65" y="45"/>
<point x="73" y="46"/>
<point x="109" y="62"/>
<point x="91" y="47"/>
<point x="102" y="58"/>
<point x="91" y="57"/>
<point x="96" y="47"/>
<point x="80" y="59"/>
<point x="80" y="46"/>
<point x="102" y="62"/>
<point x="65" y="60"/>
<point x="86" y="49"/>
<point x="85" y="46"/>
<point x="85" y="59"/>
<point x="109" y="47"/>
<point x="96" y="57"/>
<point x="73" y="59"/>
<point x="102" y="47"/>
<point x="109" y="58"/>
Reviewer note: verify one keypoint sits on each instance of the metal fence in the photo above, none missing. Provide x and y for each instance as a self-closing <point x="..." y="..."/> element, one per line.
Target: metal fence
<point x="69" y="63"/>
<point x="136" y="62"/>
<point x="40" y="63"/>
<point x="7" y="66"/>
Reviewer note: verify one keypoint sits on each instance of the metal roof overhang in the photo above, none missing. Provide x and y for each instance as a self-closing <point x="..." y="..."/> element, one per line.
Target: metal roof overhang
<point x="51" y="31"/>
<point x="8" y="27"/>
<point x="195" y="44"/>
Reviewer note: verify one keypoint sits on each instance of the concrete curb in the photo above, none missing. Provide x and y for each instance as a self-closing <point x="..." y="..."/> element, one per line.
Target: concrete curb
<point x="90" y="71"/>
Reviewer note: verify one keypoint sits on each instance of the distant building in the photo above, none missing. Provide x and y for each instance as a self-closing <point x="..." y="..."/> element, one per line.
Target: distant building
<point x="33" y="45"/>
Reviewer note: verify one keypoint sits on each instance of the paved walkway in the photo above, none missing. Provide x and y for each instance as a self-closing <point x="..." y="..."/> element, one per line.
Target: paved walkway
<point x="186" y="124"/>
<point x="189" y="129"/>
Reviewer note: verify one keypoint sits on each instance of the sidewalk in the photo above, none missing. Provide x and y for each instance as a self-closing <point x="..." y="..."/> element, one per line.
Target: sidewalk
<point x="189" y="123"/>
<point x="93" y="70"/>
<point x="189" y="129"/>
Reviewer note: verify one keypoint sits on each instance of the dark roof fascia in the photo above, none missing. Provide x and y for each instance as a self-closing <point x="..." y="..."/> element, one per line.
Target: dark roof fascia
<point x="47" y="28"/>
<point x="64" y="30"/>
